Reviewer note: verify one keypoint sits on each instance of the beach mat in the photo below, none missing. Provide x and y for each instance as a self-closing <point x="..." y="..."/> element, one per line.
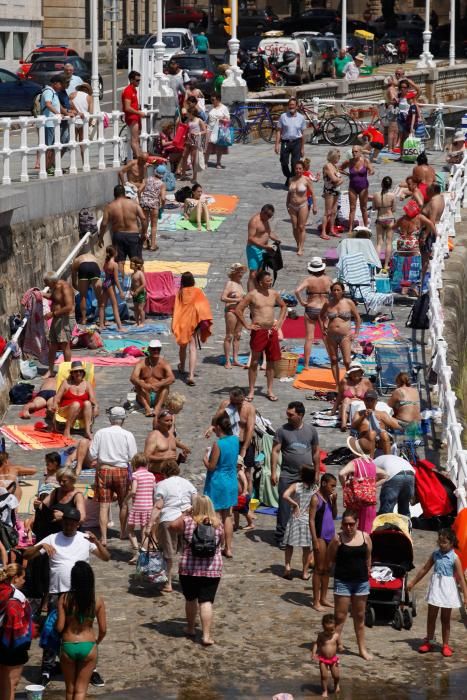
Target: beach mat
<point x="316" y="379"/>
<point x="105" y="361"/>
<point x="148" y="328"/>
<point x="243" y="359"/>
<point x="223" y="203"/>
<point x="27" y="437"/>
<point x="178" y="267"/>
<point x="379" y="332"/>
<point x="295" y="328"/>
<point x="185" y="225"/>
<point x="115" y="344"/>
<point x="267" y="510"/>
<point x="169" y="220"/>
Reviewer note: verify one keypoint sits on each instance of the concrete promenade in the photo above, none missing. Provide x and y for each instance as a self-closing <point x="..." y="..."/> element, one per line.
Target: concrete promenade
<point x="263" y="624"/>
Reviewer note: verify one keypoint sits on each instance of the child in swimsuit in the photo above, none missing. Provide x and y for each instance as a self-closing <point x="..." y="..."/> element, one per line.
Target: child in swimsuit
<point x="243" y="503"/>
<point x="138" y="290"/>
<point x="111" y="281"/>
<point x="324" y="650"/>
<point x="323" y="511"/>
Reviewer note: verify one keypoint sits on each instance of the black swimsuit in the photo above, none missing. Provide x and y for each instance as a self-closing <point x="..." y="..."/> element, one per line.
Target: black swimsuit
<point x="89" y="270"/>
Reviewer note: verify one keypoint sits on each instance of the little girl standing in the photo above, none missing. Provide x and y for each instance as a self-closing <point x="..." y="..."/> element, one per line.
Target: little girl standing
<point x="138" y="290"/>
<point x="442" y="592"/>
<point x="297" y="533"/>
<point x="111" y="281"/>
<point x="141" y="495"/>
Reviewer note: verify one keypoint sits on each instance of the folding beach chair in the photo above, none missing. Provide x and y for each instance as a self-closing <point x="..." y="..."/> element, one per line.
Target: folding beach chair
<point x="392" y="359"/>
<point x="355" y="272"/>
<point x="62" y="374"/>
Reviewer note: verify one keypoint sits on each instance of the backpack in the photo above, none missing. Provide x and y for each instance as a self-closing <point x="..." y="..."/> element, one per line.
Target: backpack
<point x="36" y="105"/>
<point x="87" y="222"/>
<point x="203" y="542"/>
<point x="272" y="260"/>
<point x="21" y="393"/>
<point x="169" y="181"/>
<point x="434" y="490"/>
<point x="418" y="317"/>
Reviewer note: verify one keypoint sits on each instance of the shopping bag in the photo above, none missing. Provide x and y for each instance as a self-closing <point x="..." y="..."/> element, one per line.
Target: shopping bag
<point x="225" y="136"/>
<point x="151" y="564"/>
<point x="411" y="149"/>
<point x="179" y="139"/>
<point x="214" y="133"/>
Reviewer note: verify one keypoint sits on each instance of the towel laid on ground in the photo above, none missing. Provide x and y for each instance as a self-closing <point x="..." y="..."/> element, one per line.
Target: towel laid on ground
<point x="222" y="203"/>
<point x="148" y="328"/>
<point x="178" y="267"/>
<point x="378" y="332"/>
<point x="295" y="328"/>
<point x="103" y="361"/>
<point x="169" y="220"/>
<point x="114" y="344"/>
<point x="185" y="225"/>
<point x="27" y="437"/>
<point x="316" y="379"/>
<point x="191" y="311"/>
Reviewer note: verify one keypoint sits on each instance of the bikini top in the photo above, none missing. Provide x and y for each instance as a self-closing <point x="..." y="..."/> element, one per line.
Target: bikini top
<point x="297" y="187"/>
<point x="344" y="315"/>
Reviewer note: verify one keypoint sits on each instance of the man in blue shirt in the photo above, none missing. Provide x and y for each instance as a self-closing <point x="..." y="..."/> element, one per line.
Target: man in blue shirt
<point x="290" y="139"/>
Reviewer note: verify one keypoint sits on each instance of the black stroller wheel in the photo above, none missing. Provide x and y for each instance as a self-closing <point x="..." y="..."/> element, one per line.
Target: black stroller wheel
<point x="398" y="621"/>
<point x="407" y="618"/>
<point x="370" y="616"/>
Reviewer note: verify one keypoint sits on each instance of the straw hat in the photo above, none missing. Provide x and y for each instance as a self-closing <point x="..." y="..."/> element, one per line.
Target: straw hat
<point x="77" y="366"/>
<point x="360" y="57"/>
<point x="316" y="264"/>
<point x="355" y="447"/>
<point x="236" y="267"/>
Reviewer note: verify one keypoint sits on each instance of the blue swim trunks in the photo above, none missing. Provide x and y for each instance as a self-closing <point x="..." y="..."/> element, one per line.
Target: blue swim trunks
<point x="254" y="256"/>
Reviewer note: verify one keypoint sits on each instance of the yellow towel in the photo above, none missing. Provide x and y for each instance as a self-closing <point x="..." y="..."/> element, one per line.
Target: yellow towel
<point x="175" y="266"/>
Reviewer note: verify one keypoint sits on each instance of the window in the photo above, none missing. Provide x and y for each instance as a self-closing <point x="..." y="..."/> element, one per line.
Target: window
<point x="136" y="16"/>
<point x="7" y="77"/>
<point x="3" y="42"/>
<point x="100" y="18"/>
<point x="19" y="42"/>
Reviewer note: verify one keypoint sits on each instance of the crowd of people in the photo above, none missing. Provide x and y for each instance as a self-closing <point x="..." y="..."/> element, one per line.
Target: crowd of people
<point x="156" y="502"/>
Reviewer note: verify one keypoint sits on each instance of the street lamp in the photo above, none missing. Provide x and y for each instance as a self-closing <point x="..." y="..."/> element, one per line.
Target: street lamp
<point x="234" y="87"/>
<point x="452" y="38"/>
<point x="95" y="57"/>
<point x="344" y="26"/>
<point x="426" y="58"/>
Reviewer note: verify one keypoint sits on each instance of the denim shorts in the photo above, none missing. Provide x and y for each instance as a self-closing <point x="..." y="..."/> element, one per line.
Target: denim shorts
<point x="350" y="588"/>
<point x="49" y="135"/>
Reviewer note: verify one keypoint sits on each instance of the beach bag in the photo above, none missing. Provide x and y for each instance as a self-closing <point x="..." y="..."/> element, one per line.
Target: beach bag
<point x="87" y="222"/>
<point x="151" y="564"/>
<point x="203" y="542"/>
<point x="435" y="491"/>
<point x="9" y="536"/>
<point x="412" y="209"/>
<point x="169" y="181"/>
<point x="27" y="369"/>
<point x="360" y="489"/>
<point x="272" y="260"/>
<point x="225" y="134"/>
<point x="50" y="638"/>
<point x="418" y="317"/>
<point x="179" y="139"/>
<point x="21" y="393"/>
<point x="214" y="133"/>
<point x="411" y="149"/>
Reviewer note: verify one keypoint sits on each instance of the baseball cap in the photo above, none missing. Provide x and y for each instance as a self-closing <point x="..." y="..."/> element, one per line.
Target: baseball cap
<point x="117" y="412"/>
<point x="371" y="394"/>
<point x="355" y="367"/>
<point x="72" y="514"/>
<point x="154" y="344"/>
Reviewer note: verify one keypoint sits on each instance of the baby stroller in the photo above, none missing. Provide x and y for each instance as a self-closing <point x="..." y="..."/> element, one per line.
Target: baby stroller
<point x="391" y="560"/>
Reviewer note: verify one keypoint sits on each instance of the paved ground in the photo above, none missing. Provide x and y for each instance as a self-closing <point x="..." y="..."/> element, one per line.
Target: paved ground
<point x="263" y="624"/>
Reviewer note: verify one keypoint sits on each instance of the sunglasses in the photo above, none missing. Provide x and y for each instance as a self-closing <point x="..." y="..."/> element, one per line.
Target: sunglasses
<point x="163" y="414"/>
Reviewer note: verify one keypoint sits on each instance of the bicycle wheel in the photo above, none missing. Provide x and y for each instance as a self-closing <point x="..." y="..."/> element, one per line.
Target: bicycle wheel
<point x="238" y="128"/>
<point x="337" y="131"/>
<point x="124" y="149"/>
<point x="267" y="128"/>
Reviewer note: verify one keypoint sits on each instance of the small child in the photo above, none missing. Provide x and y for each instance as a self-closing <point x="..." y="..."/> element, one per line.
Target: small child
<point x="111" y="281"/>
<point x="324" y="650"/>
<point x="297" y="533"/>
<point x="138" y="290"/>
<point x="243" y="503"/>
<point x="442" y="592"/>
<point x="53" y="462"/>
<point x="373" y="141"/>
<point x="142" y="501"/>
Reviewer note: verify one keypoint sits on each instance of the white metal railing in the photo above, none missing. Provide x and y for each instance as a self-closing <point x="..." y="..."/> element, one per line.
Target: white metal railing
<point x="456" y="463"/>
<point x="17" y="135"/>
<point x="64" y="266"/>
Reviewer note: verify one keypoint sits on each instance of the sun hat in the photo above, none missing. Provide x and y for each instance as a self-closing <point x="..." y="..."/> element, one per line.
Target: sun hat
<point x="77" y="366"/>
<point x="458" y="136"/>
<point x="161" y="170"/>
<point x="154" y="343"/>
<point x="316" y="264"/>
<point x="360" y="57"/>
<point x="355" y="447"/>
<point x="355" y="367"/>
<point x="236" y="267"/>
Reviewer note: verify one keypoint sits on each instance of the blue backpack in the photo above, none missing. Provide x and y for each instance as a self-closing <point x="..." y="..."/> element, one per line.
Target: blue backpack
<point x="169" y="181"/>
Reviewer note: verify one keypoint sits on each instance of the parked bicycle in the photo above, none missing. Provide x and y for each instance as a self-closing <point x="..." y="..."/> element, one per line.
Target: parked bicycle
<point x="246" y="119"/>
<point x="335" y="129"/>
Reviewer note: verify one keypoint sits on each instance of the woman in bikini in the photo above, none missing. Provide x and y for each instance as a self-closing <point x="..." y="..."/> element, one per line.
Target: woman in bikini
<point x="359" y="168"/>
<point x="405" y="401"/>
<point x="111" y="281"/>
<point x="297" y="204"/>
<point x="232" y="294"/>
<point x="334" y="320"/>
<point x="351" y="388"/>
<point x="316" y="288"/>
<point x="331" y="181"/>
<point x="77" y="611"/>
<point x="195" y="208"/>
<point x="384" y="203"/>
<point x="76" y="400"/>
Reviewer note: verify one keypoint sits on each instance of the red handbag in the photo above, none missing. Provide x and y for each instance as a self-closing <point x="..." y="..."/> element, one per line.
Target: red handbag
<point x="412" y="209"/>
<point x="360" y="489"/>
<point x="179" y="139"/>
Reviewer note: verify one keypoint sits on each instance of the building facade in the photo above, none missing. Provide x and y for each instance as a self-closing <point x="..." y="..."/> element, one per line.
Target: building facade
<point x="20" y="30"/>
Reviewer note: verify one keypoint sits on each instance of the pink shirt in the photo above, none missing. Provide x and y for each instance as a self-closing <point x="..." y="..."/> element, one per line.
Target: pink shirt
<point x="145" y="481"/>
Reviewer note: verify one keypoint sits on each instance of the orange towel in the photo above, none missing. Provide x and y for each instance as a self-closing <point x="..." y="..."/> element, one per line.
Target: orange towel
<point x="191" y="309"/>
<point x="27" y="437"/>
<point x="316" y="379"/>
<point x="223" y="203"/>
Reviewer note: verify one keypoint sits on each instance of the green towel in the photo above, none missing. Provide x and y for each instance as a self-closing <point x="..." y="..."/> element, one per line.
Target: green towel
<point x="185" y="225"/>
<point x="268" y="494"/>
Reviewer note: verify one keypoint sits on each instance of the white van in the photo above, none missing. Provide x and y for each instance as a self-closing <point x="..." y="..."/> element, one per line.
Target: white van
<point x="176" y="40"/>
<point x="297" y="69"/>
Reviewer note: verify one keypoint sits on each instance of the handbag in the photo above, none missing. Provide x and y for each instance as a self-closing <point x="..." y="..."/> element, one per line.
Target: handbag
<point x="411" y="149"/>
<point x="50" y="638"/>
<point x="225" y="136"/>
<point x="180" y="137"/>
<point x="359" y="489"/>
<point x="151" y="564"/>
<point x="412" y="209"/>
<point x="215" y="132"/>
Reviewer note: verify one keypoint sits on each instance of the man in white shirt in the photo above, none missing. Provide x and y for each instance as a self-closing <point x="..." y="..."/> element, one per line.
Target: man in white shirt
<point x="64" y="549"/>
<point x="290" y="138"/>
<point x="399" y="486"/>
<point x="113" y="448"/>
<point x="172" y="497"/>
<point x="72" y="80"/>
<point x="352" y="70"/>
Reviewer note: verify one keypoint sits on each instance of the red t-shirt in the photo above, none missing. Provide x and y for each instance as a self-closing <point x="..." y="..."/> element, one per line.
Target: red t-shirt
<point x="375" y="135"/>
<point x="130" y="93"/>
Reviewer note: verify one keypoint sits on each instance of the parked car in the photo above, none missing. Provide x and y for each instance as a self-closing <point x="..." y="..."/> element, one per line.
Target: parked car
<point x="42" y="70"/>
<point x="130" y="41"/>
<point x="296" y="71"/>
<point x="256" y="21"/>
<point x="188" y="17"/>
<point x="42" y="52"/>
<point x="16" y="96"/>
<point x="317" y="19"/>
<point x="202" y="68"/>
<point x="327" y="46"/>
<point x="177" y="41"/>
<point x="403" y="21"/>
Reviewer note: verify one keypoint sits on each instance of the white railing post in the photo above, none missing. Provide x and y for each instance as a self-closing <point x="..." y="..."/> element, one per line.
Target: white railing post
<point x="144" y="136"/>
<point x="73" y="145"/>
<point x="23" y="121"/>
<point x="42" y="148"/>
<point x="115" y="116"/>
<point x="57" y="146"/>
<point x="100" y="141"/>
<point x="85" y="144"/>
<point x="6" y="151"/>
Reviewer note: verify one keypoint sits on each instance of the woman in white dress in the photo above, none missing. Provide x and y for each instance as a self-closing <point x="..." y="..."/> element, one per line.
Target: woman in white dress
<point x="82" y="102"/>
<point x="219" y="113"/>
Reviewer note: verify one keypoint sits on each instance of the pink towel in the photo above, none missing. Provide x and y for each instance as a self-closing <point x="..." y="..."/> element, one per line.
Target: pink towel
<point x="99" y="361"/>
<point x="161" y="289"/>
<point x="34" y="339"/>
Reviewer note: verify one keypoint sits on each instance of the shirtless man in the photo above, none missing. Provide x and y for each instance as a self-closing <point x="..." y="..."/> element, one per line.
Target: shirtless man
<point x="151" y="378"/>
<point x="264" y="329"/>
<point x="85" y="273"/>
<point x="133" y="175"/>
<point x="242" y="417"/>
<point x="161" y="444"/>
<point x="63" y="302"/>
<point x="432" y="210"/>
<point x="372" y="427"/>
<point x="128" y="226"/>
<point x="259" y="233"/>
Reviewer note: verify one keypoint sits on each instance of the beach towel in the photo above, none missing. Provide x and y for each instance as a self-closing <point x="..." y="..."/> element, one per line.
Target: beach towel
<point x="149" y="329"/>
<point x="176" y="266"/>
<point x="191" y="311"/>
<point x="377" y="333"/>
<point x="169" y="220"/>
<point x="185" y="225"/>
<point x="115" y="344"/>
<point x="34" y="337"/>
<point x="103" y="361"/>
<point x="295" y="328"/>
<point x="161" y="289"/>
<point x="316" y="379"/>
<point x="222" y="203"/>
<point x="27" y="437"/>
<point x="243" y="359"/>
<point x="406" y="271"/>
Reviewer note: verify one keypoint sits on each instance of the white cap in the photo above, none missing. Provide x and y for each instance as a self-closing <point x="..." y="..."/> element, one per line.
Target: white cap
<point x="154" y="344"/>
<point x="117" y="412"/>
<point x="355" y="367"/>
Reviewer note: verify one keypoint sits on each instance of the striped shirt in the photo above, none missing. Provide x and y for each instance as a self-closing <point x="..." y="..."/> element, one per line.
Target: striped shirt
<point x="199" y="566"/>
<point x="144" y="489"/>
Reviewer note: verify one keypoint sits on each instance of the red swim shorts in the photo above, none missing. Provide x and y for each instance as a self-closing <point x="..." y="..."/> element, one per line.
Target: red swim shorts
<point x="267" y="341"/>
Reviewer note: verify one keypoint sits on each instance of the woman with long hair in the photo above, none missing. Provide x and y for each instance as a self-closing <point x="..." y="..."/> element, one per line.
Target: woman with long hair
<point x="191" y="323"/>
<point x="77" y="611"/>
<point x="15" y="630"/>
<point x="111" y="281"/>
<point x="359" y="167"/>
<point x="385" y="204"/>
